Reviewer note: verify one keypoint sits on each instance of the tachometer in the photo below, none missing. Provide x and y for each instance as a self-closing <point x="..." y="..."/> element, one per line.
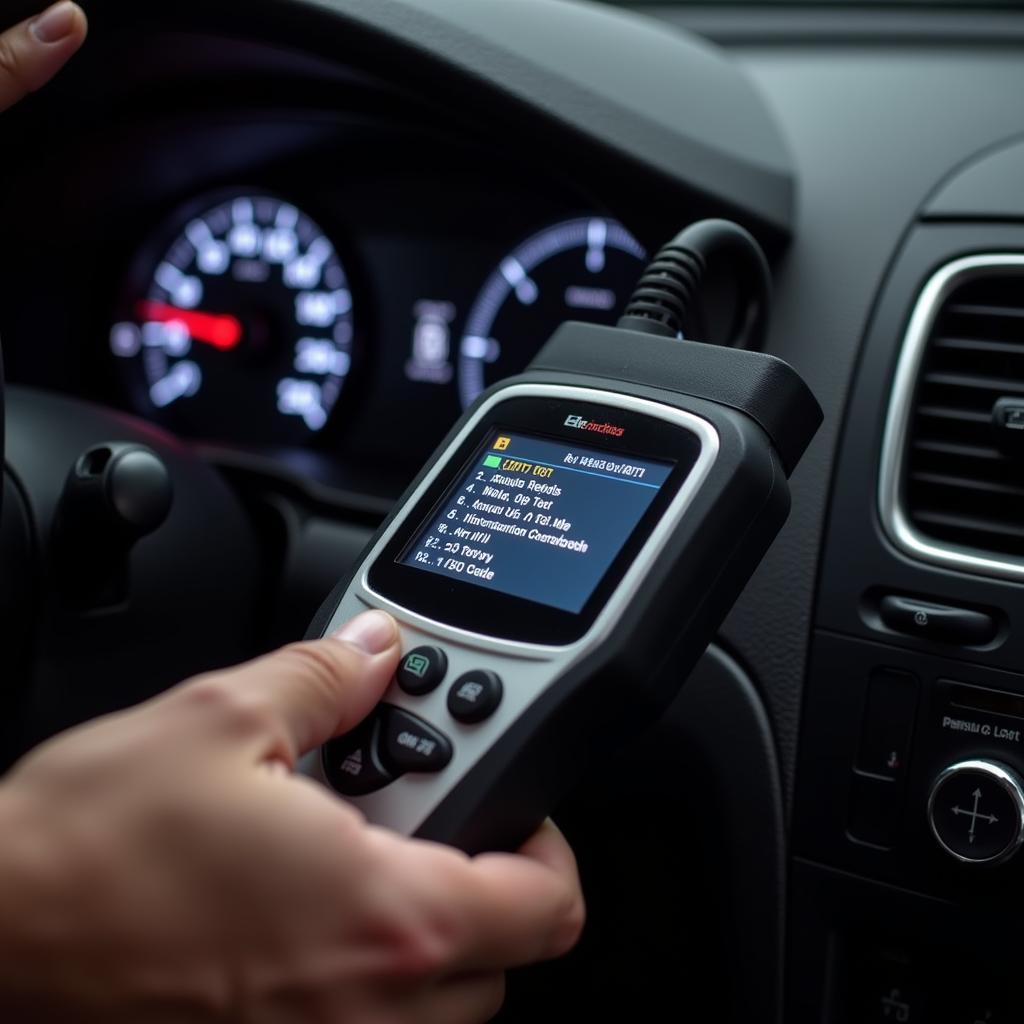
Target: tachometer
<point x="240" y="329"/>
<point x="581" y="269"/>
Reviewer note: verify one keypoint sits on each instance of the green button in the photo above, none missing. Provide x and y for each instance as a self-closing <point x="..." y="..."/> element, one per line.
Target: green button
<point x="422" y="670"/>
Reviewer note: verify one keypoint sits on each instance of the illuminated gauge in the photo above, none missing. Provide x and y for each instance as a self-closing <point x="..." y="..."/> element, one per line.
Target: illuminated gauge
<point x="580" y="270"/>
<point x="241" y="329"/>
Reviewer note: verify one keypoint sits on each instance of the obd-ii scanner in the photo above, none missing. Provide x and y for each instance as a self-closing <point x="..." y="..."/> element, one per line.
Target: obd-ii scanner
<point x="561" y="563"/>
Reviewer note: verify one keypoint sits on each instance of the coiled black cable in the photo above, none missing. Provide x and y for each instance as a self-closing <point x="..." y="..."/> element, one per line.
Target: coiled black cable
<point x="667" y="298"/>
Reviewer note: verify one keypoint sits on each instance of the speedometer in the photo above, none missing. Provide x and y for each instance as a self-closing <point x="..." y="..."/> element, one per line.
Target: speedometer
<point x="241" y="328"/>
<point x="582" y="269"/>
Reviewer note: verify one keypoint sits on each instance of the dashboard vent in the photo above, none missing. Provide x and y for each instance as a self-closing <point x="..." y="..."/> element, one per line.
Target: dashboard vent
<point x="952" y="488"/>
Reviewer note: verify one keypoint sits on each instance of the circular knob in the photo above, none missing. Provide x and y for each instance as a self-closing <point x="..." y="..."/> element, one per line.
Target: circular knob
<point x="976" y="811"/>
<point x="116" y="494"/>
<point x="122" y="489"/>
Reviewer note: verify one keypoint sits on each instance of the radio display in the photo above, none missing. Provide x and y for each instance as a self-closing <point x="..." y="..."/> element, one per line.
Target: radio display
<point x="538" y="519"/>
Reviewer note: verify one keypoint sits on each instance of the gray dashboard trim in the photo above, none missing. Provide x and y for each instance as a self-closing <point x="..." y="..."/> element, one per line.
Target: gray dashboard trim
<point x="986" y="188"/>
<point x="665" y="101"/>
<point x="870" y="24"/>
<point x="691" y="112"/>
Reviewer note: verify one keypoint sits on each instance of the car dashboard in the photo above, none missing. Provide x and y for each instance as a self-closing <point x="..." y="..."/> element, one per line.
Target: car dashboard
<point x="297" y="241"/>
<point x="364" y="263"/>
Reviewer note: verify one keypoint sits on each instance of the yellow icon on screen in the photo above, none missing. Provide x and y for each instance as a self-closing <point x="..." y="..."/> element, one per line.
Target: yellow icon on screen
<point x="502" y="443"/>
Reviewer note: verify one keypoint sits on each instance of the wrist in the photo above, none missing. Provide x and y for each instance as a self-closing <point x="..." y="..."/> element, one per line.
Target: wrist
<point x="31" y="910"/>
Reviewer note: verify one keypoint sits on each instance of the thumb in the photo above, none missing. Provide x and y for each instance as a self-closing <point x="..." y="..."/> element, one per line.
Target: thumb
<point x="291" y="701"/>
<point x="34" y="51"/>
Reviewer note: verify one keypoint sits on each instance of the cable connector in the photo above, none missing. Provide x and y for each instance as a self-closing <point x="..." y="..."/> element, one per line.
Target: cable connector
<point x="666" y="300"/>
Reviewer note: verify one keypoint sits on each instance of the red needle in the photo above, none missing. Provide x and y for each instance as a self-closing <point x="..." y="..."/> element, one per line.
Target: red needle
<point x="216" y="329"/>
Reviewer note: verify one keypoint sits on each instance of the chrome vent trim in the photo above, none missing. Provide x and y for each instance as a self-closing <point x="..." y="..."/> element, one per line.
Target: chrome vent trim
<point x="895" y="520"/>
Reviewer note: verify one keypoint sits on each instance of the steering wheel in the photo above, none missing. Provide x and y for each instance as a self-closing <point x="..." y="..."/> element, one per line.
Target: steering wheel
<point x="91" y="592"/>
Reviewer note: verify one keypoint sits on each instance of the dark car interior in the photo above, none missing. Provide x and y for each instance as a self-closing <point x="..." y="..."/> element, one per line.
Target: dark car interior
<point x="366" y="212"/>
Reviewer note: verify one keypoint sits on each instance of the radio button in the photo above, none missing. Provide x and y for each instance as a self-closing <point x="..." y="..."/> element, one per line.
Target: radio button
<point x="939" y="622"/>
<point x="976" y="811"/>
<point x="474" y="696"/>
<point x="422" y="670"/>
<point x="411" y="745"/>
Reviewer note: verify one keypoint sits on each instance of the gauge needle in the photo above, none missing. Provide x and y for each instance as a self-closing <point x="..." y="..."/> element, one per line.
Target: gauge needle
<point x="217" y="329"/>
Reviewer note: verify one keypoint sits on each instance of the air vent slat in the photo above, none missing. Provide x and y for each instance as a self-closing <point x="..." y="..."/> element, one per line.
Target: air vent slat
<point x="949" y="413"/>
<point x="968" y="451"/>
<point x="971" y="524"/>
<point x="968" y="380"/>
<point x="968" y="484"/>
<point x="962" y="486"/>
<point x="975" y="345"/>
<point x="977" y="309"/>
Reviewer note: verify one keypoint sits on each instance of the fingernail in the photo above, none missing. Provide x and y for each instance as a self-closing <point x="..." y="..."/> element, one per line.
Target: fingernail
<point x="372" y="632"/>
<point x="55" y="23"/>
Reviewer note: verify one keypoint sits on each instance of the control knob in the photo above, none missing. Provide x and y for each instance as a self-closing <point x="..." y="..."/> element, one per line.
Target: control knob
<point x="976" y="812"/>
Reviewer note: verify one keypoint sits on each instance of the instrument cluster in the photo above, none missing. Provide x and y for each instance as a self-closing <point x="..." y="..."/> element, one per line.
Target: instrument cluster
<point x="244" y="319"/>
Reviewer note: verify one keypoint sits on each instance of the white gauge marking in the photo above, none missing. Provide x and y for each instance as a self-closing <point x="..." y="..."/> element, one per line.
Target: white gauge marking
<point x="245" y="240"/>
<point x="302" y="398"/>
<point x="597" y="237"/>
<point x="185" y="291"/>
<point x="171" y="337"/>
<point x="287" y="217"/>
<point x="183" y="380"/>
<point x="525" y="288"/>
<point x="484" y="349"/>
<point x="314" y="309"/>
<point x="125" y="340"/>
<point x="168" y="277"/>
<point x="177" y="340"/>
<point x="213" y="258"/>
<point x="280" y="245"/>
<point x="321" y="309"/>
<point x="577" y="297"/>
<point x="319" y="356"/>
<point x="305" y="271"/>
<point x="198" y="233"/>
<point x="474" y="347"/>
<point x="153" y="334"/>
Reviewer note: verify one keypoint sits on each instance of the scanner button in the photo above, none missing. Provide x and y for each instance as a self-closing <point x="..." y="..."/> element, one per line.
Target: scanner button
<point x="410" y="745"/>
<point x="351" y="763"/>
<point x="474" y="696"/>
<point x="422" y="670"/>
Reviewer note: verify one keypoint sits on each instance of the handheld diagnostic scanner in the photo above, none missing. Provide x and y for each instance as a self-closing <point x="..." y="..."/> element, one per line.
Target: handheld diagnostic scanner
<point x="566" y="556"/>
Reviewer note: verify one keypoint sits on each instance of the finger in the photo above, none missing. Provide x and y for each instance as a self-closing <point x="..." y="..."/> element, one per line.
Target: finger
<point x="546" y="866"/>
<point x="471" y="999"/>
<point x="493" y="911"/>
<point x="34" y="51"/>
<point x="299" y="697"/>
<point x="548" y="846"/>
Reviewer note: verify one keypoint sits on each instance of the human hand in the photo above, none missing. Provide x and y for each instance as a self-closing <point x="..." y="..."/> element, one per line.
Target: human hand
<point x="32" y="52"/>
<point x="164" y="864"/>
